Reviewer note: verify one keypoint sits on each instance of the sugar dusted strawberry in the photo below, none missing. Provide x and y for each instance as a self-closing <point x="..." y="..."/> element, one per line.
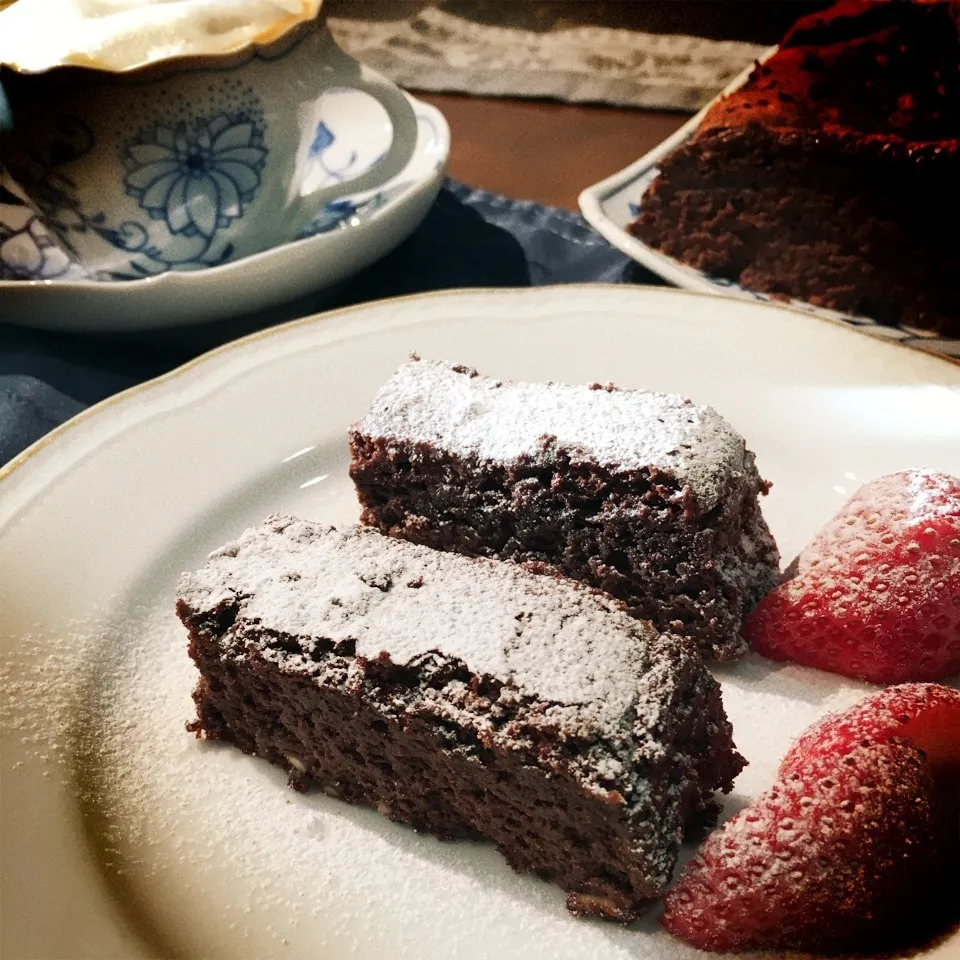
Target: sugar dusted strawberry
<point x="926" y="714"/>
<point x="827" y="859"/>
<point x="876" y="594"/>
<point x="816" y="862"/>
<point x="851" y="848"/>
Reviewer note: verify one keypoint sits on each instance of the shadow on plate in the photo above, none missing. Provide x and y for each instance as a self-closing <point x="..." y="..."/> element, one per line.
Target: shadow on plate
<point x="789" y="680"/>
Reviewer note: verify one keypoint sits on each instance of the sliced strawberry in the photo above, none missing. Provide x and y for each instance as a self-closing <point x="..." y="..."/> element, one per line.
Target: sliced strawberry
<point x="838" y="862"/>
<point x="849" y="850"/>
<point x="926" y="714"/>
<point x="876" y="594"/>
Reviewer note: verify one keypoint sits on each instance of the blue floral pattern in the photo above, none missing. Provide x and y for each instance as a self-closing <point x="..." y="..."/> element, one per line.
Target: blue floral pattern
<point x="323" y="139"/>
<point x="196" y="178"/>
<point x="27" y="251"/>
<point x="196" y="181"/>
<point x="349" y="211"/>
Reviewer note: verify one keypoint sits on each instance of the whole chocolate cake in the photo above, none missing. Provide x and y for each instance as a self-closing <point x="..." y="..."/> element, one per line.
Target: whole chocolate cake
<point x="832" y="175"/>
<point x="643" y="495"/>
<point x="467" y="698"/>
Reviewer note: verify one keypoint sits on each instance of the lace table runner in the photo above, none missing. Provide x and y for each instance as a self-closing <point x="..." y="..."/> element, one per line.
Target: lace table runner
<point x="435" y="49"/>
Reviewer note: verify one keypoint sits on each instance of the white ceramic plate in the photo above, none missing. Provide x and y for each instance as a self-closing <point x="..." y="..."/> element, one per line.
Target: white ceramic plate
<point x="360" y="229"/>
<point x="611" y="205"/>
<point x="123" y="836"/>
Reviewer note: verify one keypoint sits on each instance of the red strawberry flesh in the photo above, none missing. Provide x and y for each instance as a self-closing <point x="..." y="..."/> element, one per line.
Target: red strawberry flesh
<point x="854" y="848"/>
<point x="926" y="714"/>
<point x="876" y="594"/>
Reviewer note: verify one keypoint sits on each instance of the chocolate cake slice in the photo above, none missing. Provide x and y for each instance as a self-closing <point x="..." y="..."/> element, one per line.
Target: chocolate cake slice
<point x="467" y="698"/>
<point x="831" y="175"/>
<point x="643" y="495"/>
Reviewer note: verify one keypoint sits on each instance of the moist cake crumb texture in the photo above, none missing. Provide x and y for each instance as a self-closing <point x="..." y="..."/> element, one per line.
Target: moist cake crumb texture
<point x="646" y="496"/>
<point x="464" y="697"/>
<point x="430" y="401"/>
<point x="830" y="175"/>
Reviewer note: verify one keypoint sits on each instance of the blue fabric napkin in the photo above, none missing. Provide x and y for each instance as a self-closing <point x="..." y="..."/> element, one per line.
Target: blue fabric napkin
<point x="470" y="238"/>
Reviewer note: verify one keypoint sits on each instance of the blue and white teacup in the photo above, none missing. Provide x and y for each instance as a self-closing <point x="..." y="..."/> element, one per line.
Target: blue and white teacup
<point x="189" y="163"/>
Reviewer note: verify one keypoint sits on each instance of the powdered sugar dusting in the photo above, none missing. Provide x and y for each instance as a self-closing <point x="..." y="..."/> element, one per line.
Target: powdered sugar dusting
<point x="826" y="855"/>
<point x="545" y="637"/>
<point x="876" y="593"/>
<point x="231" y="863"/>
<point x="623" y="430"/>
<point x="885" y="521"/>
<point x="219" y="857"/>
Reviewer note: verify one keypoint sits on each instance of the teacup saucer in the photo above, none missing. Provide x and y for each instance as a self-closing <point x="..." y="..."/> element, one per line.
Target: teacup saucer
<point x="349" y="233"/>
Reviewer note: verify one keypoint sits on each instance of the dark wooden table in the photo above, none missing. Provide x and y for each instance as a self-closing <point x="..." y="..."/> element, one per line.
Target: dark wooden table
<point x="545" y="151"/>
<point x="542" y="150"/>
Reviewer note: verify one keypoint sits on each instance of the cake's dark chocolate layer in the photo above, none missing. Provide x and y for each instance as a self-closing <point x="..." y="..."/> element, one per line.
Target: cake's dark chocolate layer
<point x="831" y="175"/>
<point x="593" y="796"/>
<point x="438" y="777"/>
<point x="791" y="216"/>
<point x="634" y="538"/>
<point x="873" y="67"/>
<point x="645" y="496"/>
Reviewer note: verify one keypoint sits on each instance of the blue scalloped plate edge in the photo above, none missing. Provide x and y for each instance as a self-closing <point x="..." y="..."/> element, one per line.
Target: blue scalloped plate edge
<point x="612" y="204"/>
